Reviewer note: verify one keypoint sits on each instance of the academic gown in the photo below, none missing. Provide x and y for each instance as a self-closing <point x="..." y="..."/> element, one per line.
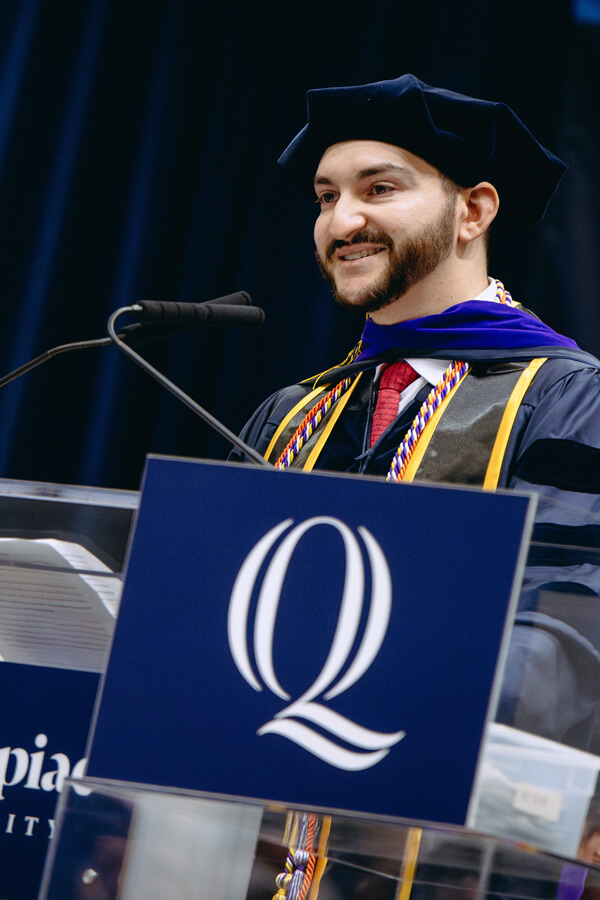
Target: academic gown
<point x="552" y="677"/>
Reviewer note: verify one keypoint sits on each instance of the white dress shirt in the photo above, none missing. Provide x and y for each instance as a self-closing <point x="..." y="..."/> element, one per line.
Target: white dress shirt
<point x="430" y="371"/>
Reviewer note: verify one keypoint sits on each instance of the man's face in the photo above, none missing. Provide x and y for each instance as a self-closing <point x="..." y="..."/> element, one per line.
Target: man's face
<point x="387" y="220"/>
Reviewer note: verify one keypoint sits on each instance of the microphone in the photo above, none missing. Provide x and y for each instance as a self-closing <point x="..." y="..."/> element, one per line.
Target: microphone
<point x="162" y="319"/>
<point x="190" y="314"/>
<point x="173" y="311"/>
<point x="245" y="315"/>
<point x="187" y="315"/>
<point x="159" y="319"/>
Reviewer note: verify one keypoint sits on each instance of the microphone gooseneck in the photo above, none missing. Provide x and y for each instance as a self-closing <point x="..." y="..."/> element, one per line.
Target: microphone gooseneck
<point x="49" y="354"/>
<point x="160" y="320"/>
<point x="193" y="318"/>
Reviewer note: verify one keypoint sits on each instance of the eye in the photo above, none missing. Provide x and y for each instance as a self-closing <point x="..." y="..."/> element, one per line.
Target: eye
<point x="326" y="198"/>
<point x="379" y="189"/>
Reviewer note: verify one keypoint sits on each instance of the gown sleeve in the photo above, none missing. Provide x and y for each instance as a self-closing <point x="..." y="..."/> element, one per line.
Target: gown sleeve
<point x="552" y="678"/>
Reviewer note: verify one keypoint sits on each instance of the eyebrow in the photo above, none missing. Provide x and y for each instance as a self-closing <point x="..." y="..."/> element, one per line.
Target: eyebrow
<point x="369" y="172"/>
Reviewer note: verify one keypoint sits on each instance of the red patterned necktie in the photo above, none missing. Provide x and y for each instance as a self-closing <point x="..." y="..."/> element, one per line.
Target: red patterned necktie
<point x="393" y="379"/>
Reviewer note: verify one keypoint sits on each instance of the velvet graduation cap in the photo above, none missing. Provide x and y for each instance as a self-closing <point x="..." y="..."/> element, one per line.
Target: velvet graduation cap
<point x="469" y="140"/>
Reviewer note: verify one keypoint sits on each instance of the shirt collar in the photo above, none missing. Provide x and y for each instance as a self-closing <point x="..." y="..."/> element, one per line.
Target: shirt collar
<point x="433" y="369"/>
<point x="430" y="369"/>
<point x="489" y="293"/>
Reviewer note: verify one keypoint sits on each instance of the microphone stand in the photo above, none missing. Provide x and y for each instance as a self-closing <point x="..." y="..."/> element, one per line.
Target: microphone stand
<point x="55" y="351"/>
<point x="177" y="392"/>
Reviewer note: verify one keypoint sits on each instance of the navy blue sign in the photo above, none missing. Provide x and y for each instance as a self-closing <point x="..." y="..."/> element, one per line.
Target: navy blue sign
<point x="308" y="638"/>
<point x="44" y="722"/>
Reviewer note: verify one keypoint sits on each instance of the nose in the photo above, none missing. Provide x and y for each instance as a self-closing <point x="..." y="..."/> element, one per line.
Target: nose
<point x="347" y="218"/>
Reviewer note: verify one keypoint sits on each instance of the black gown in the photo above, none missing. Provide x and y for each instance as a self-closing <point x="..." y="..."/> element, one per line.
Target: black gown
<point x="552" y="677"/>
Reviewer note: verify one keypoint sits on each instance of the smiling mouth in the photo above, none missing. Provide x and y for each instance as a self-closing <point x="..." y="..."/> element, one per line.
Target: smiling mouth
<point x="361" y="254"/>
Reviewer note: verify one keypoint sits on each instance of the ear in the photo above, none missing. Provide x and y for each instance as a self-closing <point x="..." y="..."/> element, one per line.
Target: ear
<point x="479" y="208"/>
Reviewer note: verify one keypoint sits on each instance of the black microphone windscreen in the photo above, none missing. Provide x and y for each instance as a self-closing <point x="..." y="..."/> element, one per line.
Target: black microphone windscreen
<point x="231" y="316"/>
<point x="191" y="314"/>
<point x="240" y="298"/>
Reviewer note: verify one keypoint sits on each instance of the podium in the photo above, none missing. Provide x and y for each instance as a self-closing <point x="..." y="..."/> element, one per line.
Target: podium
<point x="61" y="558"/>
<point x="136" y="843"/>
<point x="321" y="624"/>
<point x="307" y="653"/>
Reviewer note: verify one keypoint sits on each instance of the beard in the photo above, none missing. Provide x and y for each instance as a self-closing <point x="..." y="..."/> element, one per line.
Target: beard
<point x="408" y="264"/>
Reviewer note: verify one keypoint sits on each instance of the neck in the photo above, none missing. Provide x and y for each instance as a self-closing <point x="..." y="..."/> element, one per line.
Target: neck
<point x="433" y="295"/>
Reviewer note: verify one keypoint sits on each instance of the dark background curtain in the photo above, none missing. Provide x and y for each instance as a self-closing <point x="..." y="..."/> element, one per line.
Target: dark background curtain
<point x="138" y="148"/>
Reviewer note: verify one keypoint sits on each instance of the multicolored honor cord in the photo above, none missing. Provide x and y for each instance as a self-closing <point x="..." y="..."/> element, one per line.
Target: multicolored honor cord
<point x="302" y="834"/>
<point x="452" y="376"/>
<point x="310" y="422"/>
<point x="502" y="295"/>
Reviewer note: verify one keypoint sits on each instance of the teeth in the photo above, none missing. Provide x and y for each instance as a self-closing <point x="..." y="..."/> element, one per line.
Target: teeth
<point x="362" y="254"/>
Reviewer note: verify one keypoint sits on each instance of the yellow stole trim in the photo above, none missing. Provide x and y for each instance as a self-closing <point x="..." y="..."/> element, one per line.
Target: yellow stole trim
<point x="332" y="418"/>
<point x="492" y="474"/>
<point x="411" y="853"/>
<point x="427" y="434"/>
<point x="301" y="403"/>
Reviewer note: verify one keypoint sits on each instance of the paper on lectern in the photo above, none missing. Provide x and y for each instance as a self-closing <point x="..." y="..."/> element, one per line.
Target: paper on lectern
<point x="58" y="604"/>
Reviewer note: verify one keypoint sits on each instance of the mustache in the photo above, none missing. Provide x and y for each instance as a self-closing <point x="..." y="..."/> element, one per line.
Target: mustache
<point x="363" y="237"/>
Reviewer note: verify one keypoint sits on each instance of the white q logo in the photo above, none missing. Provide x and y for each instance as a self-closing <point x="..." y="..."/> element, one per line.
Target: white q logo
<point x="371" y="746"/>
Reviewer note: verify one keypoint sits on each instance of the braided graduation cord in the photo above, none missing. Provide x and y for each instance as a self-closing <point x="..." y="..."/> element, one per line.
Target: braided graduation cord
<point x="406" y="448"/>
<point x="294" y="883"/>
<point x="316" y="414"/>
<point x="453" y="374"/>
<point x="435" y="398"/>
<point x="306" y="861"/>
<point x="310" y="422"/>
<point x="502" y="295"/>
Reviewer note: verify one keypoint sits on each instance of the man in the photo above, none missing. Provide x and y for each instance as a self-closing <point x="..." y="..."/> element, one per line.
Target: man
<point x="409" y="180"/>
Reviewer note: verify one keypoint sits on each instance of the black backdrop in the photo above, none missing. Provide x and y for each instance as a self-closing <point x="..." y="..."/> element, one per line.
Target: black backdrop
<point x="137" y="160"/>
